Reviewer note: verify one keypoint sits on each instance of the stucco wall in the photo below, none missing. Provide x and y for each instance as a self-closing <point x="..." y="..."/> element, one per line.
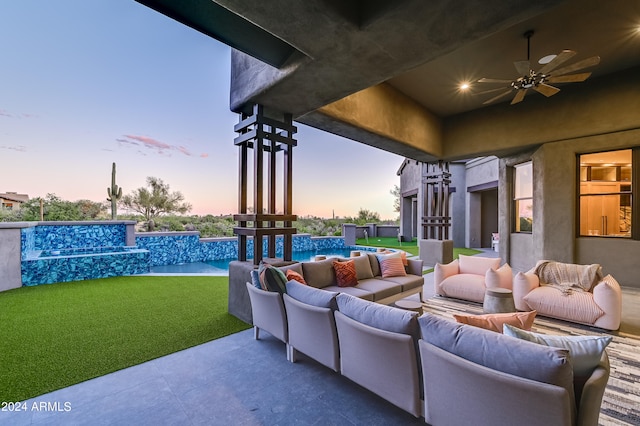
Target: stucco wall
<point x="555" y="219"/>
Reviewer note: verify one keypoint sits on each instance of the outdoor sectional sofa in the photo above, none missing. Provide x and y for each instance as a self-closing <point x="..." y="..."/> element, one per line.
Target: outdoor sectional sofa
<point x="429" y="366"/>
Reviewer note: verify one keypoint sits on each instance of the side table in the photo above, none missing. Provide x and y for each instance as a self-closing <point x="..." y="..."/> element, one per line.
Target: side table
<point x="498" y="300"/>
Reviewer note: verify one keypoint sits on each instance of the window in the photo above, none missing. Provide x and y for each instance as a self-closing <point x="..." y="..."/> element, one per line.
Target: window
<point x="606" y="193"/>
<point x="523" y="197"/>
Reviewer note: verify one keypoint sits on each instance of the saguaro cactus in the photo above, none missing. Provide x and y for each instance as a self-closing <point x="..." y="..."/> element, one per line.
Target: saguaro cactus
<point x="114" y="193"/>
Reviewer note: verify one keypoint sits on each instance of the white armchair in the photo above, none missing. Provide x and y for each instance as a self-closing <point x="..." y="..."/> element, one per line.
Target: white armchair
<point x="468" y="277"/>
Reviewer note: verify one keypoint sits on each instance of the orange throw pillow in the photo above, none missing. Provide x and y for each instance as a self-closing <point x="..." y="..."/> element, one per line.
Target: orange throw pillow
<point x="345" y="273"/>
<point x="293" y="275"/>
<point x="494" y="322"/>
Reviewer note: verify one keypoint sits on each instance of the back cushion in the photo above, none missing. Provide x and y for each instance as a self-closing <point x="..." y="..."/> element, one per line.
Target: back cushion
<point x="477" y="265"/>
<point x="312" y="296"/>
<point x="375" y="266"/>
<point x="499" y="352"/>
<point x="379" y="316"/>
<point x="319" y="274"/>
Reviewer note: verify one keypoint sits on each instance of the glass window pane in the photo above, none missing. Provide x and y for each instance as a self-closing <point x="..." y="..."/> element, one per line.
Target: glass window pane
<point x="524" y="215"/>
<point x="605" y="215"/>
<point x="523" y="184"/>
<point x="605" y="193"/>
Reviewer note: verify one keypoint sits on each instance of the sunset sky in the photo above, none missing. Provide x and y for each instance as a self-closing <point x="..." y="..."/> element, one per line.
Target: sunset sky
<point x="84" y="84"/>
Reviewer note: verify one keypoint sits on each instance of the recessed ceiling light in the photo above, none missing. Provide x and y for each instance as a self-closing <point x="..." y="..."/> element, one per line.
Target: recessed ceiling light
<point x="465" y="86"/>
<point x="546" y="59"/>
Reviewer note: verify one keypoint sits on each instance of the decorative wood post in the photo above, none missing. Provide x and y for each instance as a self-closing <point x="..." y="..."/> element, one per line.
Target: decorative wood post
<point x="267" y="137"/>
<point x="436" y="221"/>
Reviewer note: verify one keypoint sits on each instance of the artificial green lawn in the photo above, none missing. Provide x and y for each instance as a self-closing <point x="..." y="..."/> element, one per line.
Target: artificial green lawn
<point x="56" y="335"/>
<point x="410" y="247"/>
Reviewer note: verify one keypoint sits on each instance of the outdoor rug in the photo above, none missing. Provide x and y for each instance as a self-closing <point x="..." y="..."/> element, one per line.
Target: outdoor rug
<point x="621" y="401"/>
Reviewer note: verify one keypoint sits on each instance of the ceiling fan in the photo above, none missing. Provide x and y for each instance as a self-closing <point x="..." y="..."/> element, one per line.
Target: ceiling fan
<point x="538" y="80"/>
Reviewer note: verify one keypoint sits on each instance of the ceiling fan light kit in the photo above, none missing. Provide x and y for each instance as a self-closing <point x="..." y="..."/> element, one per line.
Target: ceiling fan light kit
<point x="538" y="80"/>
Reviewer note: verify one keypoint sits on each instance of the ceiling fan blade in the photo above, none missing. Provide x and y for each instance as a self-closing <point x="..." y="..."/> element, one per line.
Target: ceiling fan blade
<point x="484" y="92"/>
<point x="494" y="80"/>
<point x="546" y="90"/>
<point x="569" y="78"/>
<point x="561" y="58"/>
<point x="589" y="62"/>
<point x="495" y="98"/>
<point x="519" y="96"/>
<point x="522" y="67"/>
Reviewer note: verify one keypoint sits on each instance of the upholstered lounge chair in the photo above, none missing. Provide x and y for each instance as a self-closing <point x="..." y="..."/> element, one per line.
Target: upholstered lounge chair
<point x="268" y="313"/>
<point x="311" y="323"/>
<point x="378" y="350"/>
<point x="480" y="377"/>
<point x="599" y="305"/>
<point x="468" y="277"/>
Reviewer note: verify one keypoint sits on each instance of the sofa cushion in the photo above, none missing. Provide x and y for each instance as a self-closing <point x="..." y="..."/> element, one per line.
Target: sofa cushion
<point x="354" y="291"/>
<point x="272" y="278"/>
<point x="464" y="286"/>
<point x="379" y="316"/>
<point x="408" y="282"/>
<point x="319" y="274"/>
<point x="500" y="352"/>
<point x="373" y="262"/>
<point x="345" y="273"/>
<point x="380" y="289"/>
<point x="585" y="351"/>
<point x="501" y="277"/>
<point x="494" y="322"/>
<point x="311" y="295"/>
<point x="476" y="264"/>
<point x="578" y="306"/>
<point x="293" y="275"/>
<point x="391" y="265"/>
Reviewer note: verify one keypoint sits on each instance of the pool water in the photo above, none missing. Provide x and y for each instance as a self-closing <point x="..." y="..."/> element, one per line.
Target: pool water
<point x="221" y="266"/>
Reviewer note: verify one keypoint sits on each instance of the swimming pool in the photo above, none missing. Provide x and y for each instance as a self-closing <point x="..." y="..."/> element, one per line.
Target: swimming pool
<point x="221" y="266"/>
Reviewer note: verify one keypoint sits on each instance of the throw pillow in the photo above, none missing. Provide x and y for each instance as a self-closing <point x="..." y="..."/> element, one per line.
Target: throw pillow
<point x="293" y="275"/>
<point x="272" y="278"/>
<point x="584" y="351"/>
<point x="391" y="265"/>
<point x="495" y="322"/>
<point x="255" y="279"/>
<point x="501" y="277"/>
<point x="345" y="273"/>
<point x="403" y="255"/>
<point x="311" y="295"/>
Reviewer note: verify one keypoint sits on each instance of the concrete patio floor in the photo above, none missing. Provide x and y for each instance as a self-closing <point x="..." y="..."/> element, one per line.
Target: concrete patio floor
<point x="234" y="380"/>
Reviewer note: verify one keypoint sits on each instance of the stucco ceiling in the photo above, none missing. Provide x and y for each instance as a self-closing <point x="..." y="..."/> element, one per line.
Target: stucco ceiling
<point x="608" y="29"/>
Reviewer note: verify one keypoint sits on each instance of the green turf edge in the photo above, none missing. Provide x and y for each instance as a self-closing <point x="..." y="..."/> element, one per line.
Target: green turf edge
<point x="57" y="335"/>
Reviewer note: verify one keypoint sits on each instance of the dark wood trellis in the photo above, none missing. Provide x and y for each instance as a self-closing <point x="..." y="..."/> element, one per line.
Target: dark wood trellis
<point x="436" y="220"/>
<point x="267" y="137"/>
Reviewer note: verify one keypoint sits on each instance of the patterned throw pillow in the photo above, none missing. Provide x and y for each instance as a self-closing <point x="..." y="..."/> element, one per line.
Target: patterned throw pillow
<point x="345" y="273"/>
<point x="272" y="278"/>
<point x="293" y="275"/>
<point x="391" y="265"/>
<point x="495" y="322"/>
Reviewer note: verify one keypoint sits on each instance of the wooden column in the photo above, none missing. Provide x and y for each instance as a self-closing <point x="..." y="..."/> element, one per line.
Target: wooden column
<point x="267" y="136"/>
<point x="436" y="221"/>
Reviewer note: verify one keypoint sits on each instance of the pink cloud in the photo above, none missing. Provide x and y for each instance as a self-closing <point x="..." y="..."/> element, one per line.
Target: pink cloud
<point x="159" y="147"/>
<point x="5" y="113"/>
<point x="19" y="148"/>
<point x="204" y="155"/>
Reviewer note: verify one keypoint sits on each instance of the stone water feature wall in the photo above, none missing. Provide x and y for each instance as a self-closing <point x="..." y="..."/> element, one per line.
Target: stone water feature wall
<point x="54" y="252"/>
<point x="33" y="253"/>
